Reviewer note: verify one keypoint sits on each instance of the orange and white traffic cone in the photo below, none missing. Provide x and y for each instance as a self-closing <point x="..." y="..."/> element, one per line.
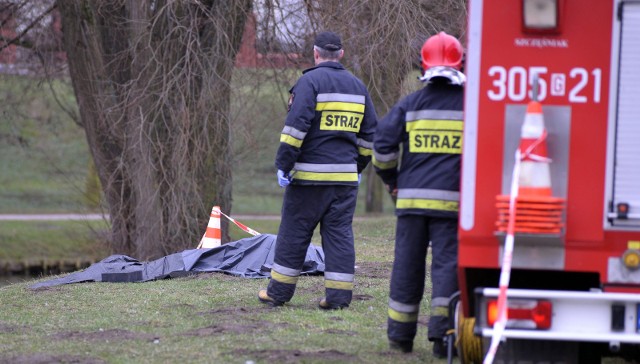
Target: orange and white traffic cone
<point x="536" y="210"/>
<point x="535" y="177"/>
<point x="213" y="235"/>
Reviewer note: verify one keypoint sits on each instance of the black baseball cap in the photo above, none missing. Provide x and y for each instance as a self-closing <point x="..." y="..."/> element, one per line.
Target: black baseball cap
<point x="329" y="41"/>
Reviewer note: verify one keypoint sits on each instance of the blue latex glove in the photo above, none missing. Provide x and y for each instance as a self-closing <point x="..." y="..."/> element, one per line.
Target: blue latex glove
<point x="283" y="178"/>
<point x="359" y="178"/>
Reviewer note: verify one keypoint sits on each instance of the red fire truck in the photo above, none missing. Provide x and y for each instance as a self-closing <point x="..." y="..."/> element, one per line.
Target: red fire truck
<point x="573" y="294"/>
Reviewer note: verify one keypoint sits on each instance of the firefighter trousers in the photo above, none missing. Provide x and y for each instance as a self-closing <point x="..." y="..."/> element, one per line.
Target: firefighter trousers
<point x="303" y="208"/>
<point x="413" y="233"/>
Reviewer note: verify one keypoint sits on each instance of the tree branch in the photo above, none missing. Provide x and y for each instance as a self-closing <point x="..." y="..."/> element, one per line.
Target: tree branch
<point x="17" y="40"/>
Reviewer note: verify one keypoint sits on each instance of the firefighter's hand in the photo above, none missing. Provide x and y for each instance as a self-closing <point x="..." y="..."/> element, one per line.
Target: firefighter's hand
<point x="283" y="178"/>
<point x="359" y="178"/>
<point x="393" y="192"/>
<point x="392" y="189"/>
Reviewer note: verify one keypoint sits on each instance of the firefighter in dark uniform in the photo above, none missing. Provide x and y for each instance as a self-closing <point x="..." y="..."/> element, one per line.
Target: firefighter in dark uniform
<point x="326" y="142"/>
<point x="425" y="130"/>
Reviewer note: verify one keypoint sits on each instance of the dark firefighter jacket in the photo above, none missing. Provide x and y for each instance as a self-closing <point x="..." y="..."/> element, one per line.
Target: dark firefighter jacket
<point x="427" y="125"/>
<point x="328" y="134"/>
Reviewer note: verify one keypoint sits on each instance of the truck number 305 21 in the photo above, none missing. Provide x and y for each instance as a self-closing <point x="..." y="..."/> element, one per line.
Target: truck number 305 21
<point x="579" y="85"/>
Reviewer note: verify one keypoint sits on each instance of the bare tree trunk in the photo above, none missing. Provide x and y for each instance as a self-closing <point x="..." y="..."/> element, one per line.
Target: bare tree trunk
<point x="382" y="40"/>
<point x="152" y="81"/>
<point x="377" y="35"/>
<point x="387" y="86"/>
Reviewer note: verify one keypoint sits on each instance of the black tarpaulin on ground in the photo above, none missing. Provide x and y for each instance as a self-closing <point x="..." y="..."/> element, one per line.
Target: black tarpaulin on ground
<point x="248" y="258"/>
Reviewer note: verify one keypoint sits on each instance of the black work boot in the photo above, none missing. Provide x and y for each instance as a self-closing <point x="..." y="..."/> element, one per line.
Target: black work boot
<point x="403" y="346"/>
<point x="325" y="305"/>
<point x="264" y="298"/>
<point x="439" y="349"/>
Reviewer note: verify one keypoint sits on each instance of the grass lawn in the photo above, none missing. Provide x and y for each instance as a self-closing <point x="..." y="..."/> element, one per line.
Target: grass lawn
<point x="65" y="239"/>
<point x="209" y="318"/>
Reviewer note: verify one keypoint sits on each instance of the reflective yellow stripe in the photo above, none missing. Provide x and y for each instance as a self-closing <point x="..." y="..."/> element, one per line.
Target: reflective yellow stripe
<point x="342" y="121"/>
<point x="282" y="278"/>
<point x="365" y="151"/>
<point x="402" y="317"/>
<point x="340" y="106"/>
<point x="427" y="204"/>
<point x="435" y="141"/>
<point x="440" y="311"/>
<point x="313" y="176"/>
<point x="284" y="138"/>
<point x="384" y="165"/>
<point x="434" y="125"/>
<point x="348" y="286"/>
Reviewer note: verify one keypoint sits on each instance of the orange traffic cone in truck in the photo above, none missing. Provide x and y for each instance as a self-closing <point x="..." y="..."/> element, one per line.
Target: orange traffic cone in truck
<point x="535" y="177"/>
<point x="213" y="235"/>
<point x="536" y="210"/>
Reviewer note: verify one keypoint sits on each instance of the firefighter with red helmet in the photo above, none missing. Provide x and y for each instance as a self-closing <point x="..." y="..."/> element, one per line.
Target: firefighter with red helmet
<point x="425" y="128"/>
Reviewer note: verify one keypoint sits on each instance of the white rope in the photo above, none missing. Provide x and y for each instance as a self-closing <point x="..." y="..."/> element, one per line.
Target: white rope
<point x="505" y="272"/>
<point x="242" y="226"/>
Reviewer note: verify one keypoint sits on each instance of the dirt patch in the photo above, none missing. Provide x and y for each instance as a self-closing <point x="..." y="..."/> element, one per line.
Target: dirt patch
<point x="235" y="320"/>
<point x="362" y="297"/>
<point x="46" y="289"/>
<point x="236" y="311"/>
<point x="380" y="270"/>
<point x="105" y="335"/>
<point x="340" y="332"/>
<point x="48" y="359"/>
<point x="296" y="356"/>
<point x="246" y="314"/>
<point x="6" y="328"/>
<point x="224" y="328"/>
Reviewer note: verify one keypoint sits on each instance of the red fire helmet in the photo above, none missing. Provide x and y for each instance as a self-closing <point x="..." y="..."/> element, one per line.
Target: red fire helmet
<point x="442" y="49"/>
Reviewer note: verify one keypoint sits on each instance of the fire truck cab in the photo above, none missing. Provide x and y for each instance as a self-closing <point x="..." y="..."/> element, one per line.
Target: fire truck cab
<point x="573" y="294"/>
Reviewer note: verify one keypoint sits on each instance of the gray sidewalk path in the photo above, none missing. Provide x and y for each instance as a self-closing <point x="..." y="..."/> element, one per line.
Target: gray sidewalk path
<point x="84" y="217"/>
<point x="49" y="217"/>
<point x="63" y="217"/>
